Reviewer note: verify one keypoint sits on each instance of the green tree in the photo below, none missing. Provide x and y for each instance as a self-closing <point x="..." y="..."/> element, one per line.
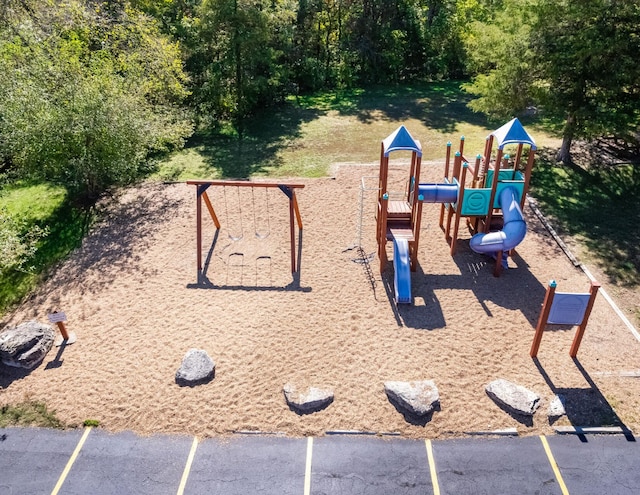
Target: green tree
<point x="587" y="58"/>
<point x="574" y="59"/>
<point x="497" y="43"/>
<point x="88" y="94"/>
<point x="238" y="66"/>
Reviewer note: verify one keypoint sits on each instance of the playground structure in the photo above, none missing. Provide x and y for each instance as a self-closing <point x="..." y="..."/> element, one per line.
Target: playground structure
<point x="565" y="308"/>
<point x="201" y="194"/>
<point x="490" y="194"/>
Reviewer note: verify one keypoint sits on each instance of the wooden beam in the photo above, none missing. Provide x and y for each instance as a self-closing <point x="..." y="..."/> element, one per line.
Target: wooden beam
<point x="199" y="229"/>
<point x="242" y="183"/>
<point x="544" y="316"/>
<point x="207" y="202"/>
<point x="593" y="291"/>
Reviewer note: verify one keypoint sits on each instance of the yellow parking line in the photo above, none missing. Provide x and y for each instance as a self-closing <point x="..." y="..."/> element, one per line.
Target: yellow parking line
<point x="70" y="462"/>
<point x="307" y="469"/>
<point x="187" y="467"/>
<point x="554" y="465"/>
<point x="432" y="468"/>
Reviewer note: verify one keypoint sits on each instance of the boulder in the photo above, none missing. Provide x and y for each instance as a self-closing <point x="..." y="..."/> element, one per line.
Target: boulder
<point x="514" y="398"/>
<point x="26" y="345"/>
<point x="417" y="398"/>
<point x="196" y="368"/>
<point x="557" y="407"/>
<point x="312" y="400"/>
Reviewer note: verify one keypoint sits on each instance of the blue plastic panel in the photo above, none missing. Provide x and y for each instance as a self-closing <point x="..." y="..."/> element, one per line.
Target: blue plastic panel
<point x="568" y="308"/>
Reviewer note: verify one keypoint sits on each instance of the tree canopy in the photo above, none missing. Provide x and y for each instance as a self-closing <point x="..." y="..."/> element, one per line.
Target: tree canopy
<point x="93" y="88"/>
<point x="87" y="95"/>
<point x="575" y="60"/>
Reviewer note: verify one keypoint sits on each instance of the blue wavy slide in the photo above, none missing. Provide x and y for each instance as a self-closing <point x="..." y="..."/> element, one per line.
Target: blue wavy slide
<point x="402" y="271"/>
<point x="513" y="230"/>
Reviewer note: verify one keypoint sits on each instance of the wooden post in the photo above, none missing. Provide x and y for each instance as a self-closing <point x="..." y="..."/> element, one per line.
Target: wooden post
<point x="63" y="330"/>
<point x="382" y="176"/>
<point x="416" y="183"/>
<point x="487" y="157"/>
<point x="297" y="210"/>
<point x="527" y="176"/>
<point x="476" y="170"/>
<point x="544" y="316"/>
<point x="199" y="228"/>
<point x="382" y="230"/>
<point x="446" y="176"/>
<point x="457" y="163"/>
<point x="412" y="184"/>
<point x="494" y="188"/>
<point x="462" y="177"/>
<point x="447" y="160"/>
<point x="292" y="233"/>
<point x="593" y="291"/>
<point x="516" y="164"/>
<point x="497" y="269"/>
<point x="416" y="234"/>
<point x="66" y="337"/>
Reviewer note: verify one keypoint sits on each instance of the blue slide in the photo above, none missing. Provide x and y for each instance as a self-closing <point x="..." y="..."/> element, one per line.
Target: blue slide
<point x="513" y="230"/>
<point x="402" y="271"/>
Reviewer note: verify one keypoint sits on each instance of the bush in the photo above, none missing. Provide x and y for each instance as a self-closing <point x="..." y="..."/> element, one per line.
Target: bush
<point x="18" y="243"/>
<point x="87" y="100"/>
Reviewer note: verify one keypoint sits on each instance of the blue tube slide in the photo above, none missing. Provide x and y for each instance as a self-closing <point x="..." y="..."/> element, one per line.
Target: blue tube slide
<point x="402" y="271"/>
<point x="439" y="193"/>
<point x="513" y="230"/>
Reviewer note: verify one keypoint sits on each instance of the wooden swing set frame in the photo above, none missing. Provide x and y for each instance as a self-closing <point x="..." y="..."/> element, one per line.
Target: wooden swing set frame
<point x="201" y="194"/>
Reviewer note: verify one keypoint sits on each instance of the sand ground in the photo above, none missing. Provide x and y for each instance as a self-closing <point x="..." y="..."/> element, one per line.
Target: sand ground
<point x="133" y="297"/>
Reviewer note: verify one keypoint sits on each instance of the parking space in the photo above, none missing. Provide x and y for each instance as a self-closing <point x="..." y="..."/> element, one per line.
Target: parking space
<point x="127" y="463"/>
<point x="32" y="459"/>
<point x="493" y="466"/>
<point x="40" y="461"/>
<point x="250" y="464"/>
<point x="371" y="466"/>
<point x="596" y="464"/>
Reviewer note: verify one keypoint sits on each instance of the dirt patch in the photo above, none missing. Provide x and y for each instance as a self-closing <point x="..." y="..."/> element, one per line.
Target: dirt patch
<point x="133" y="296"/>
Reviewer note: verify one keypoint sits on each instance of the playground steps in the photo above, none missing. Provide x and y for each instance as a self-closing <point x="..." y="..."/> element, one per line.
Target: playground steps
<point x="399" y="230"/>
<point x="399" y="210"/>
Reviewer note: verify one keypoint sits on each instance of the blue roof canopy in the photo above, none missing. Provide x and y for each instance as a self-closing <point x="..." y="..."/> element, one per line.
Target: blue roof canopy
<point x="513" y="133"/>
<point x="400" y="139"/>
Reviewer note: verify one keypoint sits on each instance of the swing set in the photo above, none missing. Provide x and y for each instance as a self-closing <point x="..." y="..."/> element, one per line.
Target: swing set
<point x="201" y="195"/>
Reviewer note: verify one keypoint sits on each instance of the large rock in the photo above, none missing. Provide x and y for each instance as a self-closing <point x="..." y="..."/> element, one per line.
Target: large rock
<point x="418" y="398"/>
<point x="515" y="398"/>
<point x="196" y="368"/>
<point x="26" y="345"/>
<point x="312" y="400"/>
<point x="557" y="407"/>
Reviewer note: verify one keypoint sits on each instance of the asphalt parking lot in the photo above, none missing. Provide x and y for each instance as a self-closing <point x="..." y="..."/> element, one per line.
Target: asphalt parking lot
<point x="92" y="461"/>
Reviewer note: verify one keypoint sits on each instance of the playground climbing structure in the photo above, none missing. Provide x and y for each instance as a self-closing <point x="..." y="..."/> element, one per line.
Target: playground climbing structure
<point x="489" y="194"/>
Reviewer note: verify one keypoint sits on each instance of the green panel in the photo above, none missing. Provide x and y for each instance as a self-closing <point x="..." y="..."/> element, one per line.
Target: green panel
<point x="517" y="185"/>
<point x="476" y="202"/>
<point x="505" y="174"/>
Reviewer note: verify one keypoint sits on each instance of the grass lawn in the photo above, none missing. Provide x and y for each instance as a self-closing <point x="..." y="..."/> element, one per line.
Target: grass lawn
<point x="305" y="136"/>
<point x="44" y="205"/>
